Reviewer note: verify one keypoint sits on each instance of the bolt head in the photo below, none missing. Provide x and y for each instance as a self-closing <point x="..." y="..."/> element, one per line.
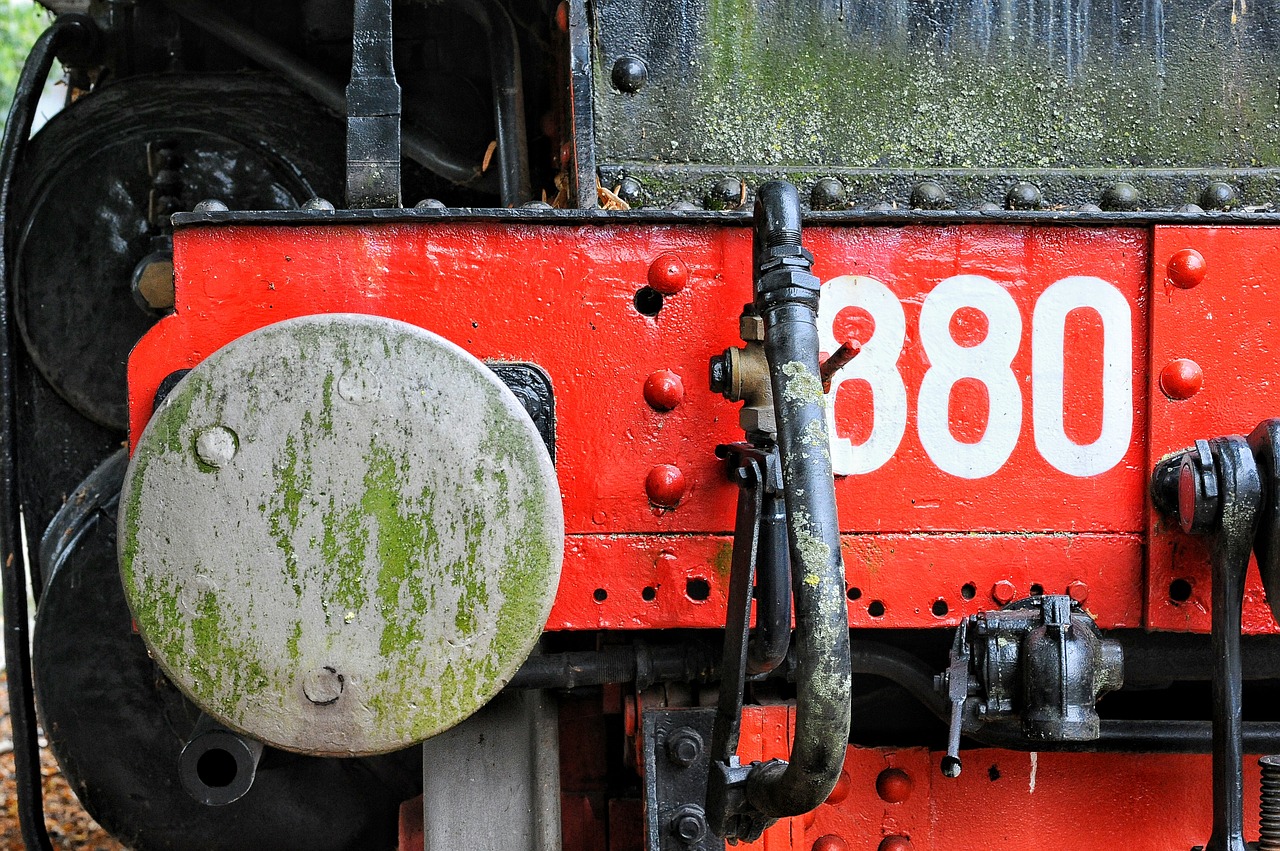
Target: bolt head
<point x="726" y="194"/>
<point x="1219" y="196"/>
<point x="894" y="785"/>
<point x="828" y="194"/>
<point x="1121" y="198"/>
<point x="1023" y="196"/>
<point x="928" y="195"/>
<point x="630" y="74"/>
<point x="665" y="486"/>
<point x="1078" y="591"/>
<point x="1181" y="379"/>
<point x="216" y="446"/>
<point x="1186" y="269"/>
<point x="663" y="390"/>
<point x="668" y="274"/>
<point x="689" y="824"/>
<point x="684" y="746"/>
<point x="1003" y="592"/>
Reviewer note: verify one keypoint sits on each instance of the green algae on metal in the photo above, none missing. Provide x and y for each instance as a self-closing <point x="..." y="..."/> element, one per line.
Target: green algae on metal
<point x="437" y="551"/>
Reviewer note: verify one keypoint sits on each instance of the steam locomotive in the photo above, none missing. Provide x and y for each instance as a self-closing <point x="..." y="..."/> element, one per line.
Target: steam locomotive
<point x="612" y="424"/>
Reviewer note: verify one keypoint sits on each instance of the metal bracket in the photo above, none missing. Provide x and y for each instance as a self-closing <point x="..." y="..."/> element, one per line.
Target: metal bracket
<point x="676" y="762"/>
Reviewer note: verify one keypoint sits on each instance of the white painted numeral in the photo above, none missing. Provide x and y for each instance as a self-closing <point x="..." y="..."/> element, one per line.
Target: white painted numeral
<point x="988" y="362"/>
<point x="1048" y="350"/>
<point x="876" y="364"/>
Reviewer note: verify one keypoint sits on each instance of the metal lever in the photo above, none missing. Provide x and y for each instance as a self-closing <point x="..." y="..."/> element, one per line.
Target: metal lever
<point x="373" y="111"/>
<point x="957" y="682"/>
<point x="1219" y="496"/>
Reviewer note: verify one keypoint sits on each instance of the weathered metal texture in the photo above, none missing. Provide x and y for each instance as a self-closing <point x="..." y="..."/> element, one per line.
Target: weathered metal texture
<point x="341" y="534"/>
<point x="932" y="547"/>
<point x="1224" y="323"/>
<point x="1029" y="801"/>
<point x="492" y="783"/>
<point x="866" y="89"/>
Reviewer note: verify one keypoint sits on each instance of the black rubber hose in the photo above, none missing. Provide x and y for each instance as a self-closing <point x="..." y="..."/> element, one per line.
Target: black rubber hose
<point x="418" y="146"/>
<point x="787" y="298"/>
<point x="68" y="34"/>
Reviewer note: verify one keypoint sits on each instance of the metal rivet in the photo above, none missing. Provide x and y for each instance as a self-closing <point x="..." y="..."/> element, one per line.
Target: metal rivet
<point x="562" y="17"/>
<point x="216" y="446"/>
<point x="928" y="195"/>
<point x="894" y="785"/>
<point x="1078" y="591"/>
<point x="1191" y="208"/>
<point x="1003" y="592"/>
<point x="630" y="190"/>
<point x="989" y="207"/>
<point x="1186" y="268"/>
<point x="430" y="204"/>
<point x="881" y="207"/>
<point x="210" y="205"/>
<point x="1218" y="196"/>
<point x="1181" y="379"/>
<point x="683" y="206"/>
<point x="665" y="486"/>
<point x="318" y="205"/>
<point x="830" y="842"/>
<point x="536" y="205"/>
<point x="663" y="390"/>
<point x="1023" y="196"/>
<point x="1088" y="208"/>
<point x="841" y="790"/>
<point x="323" y="686"/>
<point x="727" y="194"/>
<point x="1120" y="198"/>
<point x="894" y="843"/>
<point x="630" y="74"/>
<point x="668" y="274"/>
<point x="828" y="194"/>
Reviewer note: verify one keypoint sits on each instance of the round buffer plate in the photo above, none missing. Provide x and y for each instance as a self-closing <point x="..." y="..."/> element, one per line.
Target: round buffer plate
<point x="341" y="534"/>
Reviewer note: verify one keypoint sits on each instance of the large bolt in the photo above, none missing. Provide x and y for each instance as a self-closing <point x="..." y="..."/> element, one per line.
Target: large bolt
<point x="1003" y="592"/>
<point x="684" y="746"/>
<point x="689" y="824"/>
<point x="216" y="446"/>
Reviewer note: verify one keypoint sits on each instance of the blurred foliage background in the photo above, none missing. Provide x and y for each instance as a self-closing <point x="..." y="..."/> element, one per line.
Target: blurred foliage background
<point x="21" y="21"/>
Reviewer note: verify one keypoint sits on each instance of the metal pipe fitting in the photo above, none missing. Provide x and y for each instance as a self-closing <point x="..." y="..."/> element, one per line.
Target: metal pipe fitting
<point x="217" y="767"/>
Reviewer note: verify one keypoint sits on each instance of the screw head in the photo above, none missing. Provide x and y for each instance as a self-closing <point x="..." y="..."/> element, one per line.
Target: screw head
<point x="323" y="686"/>
<point x="630" y="74"/>
<point x="1023" y="196"/>
<point x="665" y="486"/>
<point x="726" y="194"/>
<point x="1181" y="379"/>
<point x="684" y="746"/>
<point x="663" y="390"/>
<point x="668" y="274"/>
<point x="1120" y="198"/>
<point x="894" y="785"/>
<point x="1003" y="592"/>
<point x="216" y="446"/>
<point x="1186" y="268"/>
<point x="928" y="195"/>
<point x="828" y="194"/>
<point x="1219" y="196"/>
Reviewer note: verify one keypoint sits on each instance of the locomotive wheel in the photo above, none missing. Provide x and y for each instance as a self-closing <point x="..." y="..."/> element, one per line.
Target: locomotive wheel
<point x="116" y="725"/>
<point x="90" y="199"/>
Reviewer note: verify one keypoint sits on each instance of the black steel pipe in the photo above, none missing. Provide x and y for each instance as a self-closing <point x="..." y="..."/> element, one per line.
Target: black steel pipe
<point x="771" y="637"/>
<point x="217" y="766"/>
<point x="69" y="34"/>
<point x="508" y="97"/>
<point x="418" y="145"/>
<point x="786" y="296"/>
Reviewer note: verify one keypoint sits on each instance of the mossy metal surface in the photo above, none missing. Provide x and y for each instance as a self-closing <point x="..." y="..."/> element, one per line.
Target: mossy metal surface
<point x="389" y="512"/>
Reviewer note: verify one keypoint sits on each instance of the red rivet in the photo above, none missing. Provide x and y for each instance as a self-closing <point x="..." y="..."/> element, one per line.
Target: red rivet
<point x="1181" y="378"/>
<point x="830" y="842"/>
<point x="1003" y="592"/>
<point x="562" y="17"/>
<point x="668" y="274"/>
<point x="1186" y="268"/>
<point x="841" y="790"/>
<point x="663" y="390"/>
<point x="894" y="785"/>
<point x="1078" y="591"/>
<point x="665" y="485"/>
<point x="895" y="843"/>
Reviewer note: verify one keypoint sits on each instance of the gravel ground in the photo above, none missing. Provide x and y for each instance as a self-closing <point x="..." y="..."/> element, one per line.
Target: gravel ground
<point x="70" y="827"/>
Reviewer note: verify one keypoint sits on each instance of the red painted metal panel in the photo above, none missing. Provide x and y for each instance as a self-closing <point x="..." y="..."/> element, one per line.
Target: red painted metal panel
<point x="562" y="297"/>
<point x="1030" y="802"/>
<point x="1227" y="326"/>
